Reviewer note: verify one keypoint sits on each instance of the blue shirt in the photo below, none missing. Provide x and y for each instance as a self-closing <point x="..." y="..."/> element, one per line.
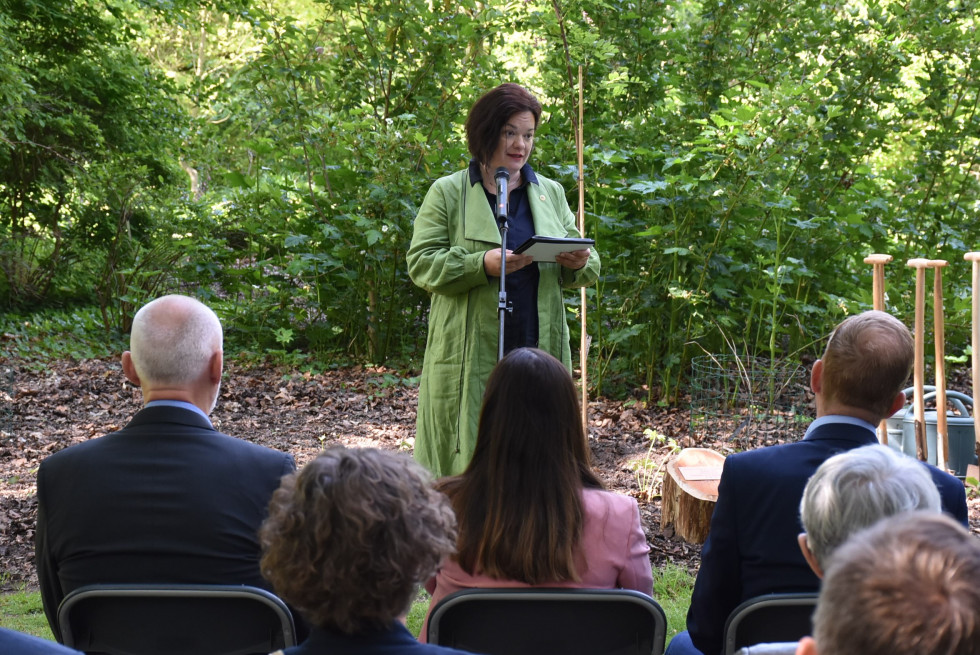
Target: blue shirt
<point x="520" y="324"/>
<point x="179" y="403"/>
<point x="840" y="418"/>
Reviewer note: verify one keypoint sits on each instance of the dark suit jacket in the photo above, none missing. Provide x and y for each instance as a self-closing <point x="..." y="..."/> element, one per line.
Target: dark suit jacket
<point x="166" y="499"/>
<point x="751" y="547"/>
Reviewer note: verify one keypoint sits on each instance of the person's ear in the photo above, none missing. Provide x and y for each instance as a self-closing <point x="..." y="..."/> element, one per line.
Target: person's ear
<point x="816" y="376"/>
<point x="129" y="369"/>
<point x="807" y="646"/>
<point x="808" y="554"/>
<point x="215" y="366"/>
<point x="897" y="403"/>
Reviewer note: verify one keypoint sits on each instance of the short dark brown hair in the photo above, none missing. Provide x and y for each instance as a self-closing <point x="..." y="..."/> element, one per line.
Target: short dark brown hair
<point x="352" y="535"/>
<point x="867" y="361"/>
<point x="490" y="113"/>
<point x="906" y="585"/>
<point x="519" y="501"/>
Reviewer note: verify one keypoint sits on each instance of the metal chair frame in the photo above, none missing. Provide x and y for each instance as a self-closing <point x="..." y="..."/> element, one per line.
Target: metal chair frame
<point x="531" y="621"/>
<point x="163" y="619"/>
<point x="769" y="618"/>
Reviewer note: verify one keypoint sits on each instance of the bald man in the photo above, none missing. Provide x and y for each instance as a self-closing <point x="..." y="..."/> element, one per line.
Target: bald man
<point x="167" y="499"/>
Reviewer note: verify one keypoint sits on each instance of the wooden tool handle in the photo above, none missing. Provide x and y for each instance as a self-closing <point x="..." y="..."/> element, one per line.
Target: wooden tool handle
<point x="975" y="258"/>
<point x="920" y="265"/>
<point x="878" y="292"/>
<point x="939" y="328"/>
<point x="878" y="303"/>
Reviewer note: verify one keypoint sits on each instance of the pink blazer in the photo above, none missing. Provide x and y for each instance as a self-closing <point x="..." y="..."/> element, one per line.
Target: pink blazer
<point x="613" y="553"/>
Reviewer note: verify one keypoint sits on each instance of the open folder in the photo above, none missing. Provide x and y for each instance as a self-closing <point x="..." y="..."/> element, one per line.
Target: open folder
<point x="544" y="249"/>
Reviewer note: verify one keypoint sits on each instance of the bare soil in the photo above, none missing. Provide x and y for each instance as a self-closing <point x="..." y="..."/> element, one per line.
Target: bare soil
<point x="43" y="410"/>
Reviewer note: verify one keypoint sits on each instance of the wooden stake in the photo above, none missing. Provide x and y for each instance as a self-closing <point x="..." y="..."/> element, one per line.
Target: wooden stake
<point x="942" y="432"/>
<point x="583" y="353"/>
<point x="920" y="266"/>
<point x="974" y="257"/>
<point x="878" y="302"/>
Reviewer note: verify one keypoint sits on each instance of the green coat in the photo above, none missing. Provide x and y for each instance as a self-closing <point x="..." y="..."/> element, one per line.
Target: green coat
<point x="454" y="228"/>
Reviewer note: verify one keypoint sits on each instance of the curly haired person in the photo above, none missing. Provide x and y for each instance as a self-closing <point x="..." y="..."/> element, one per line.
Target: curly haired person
<point x="348" y="541"/>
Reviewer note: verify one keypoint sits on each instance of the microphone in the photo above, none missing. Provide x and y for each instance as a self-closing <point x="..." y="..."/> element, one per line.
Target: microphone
<point x="501" y="177"/>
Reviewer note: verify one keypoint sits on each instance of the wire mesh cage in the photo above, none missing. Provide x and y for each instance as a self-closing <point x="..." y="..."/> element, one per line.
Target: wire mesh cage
<point x="748" y="401"/>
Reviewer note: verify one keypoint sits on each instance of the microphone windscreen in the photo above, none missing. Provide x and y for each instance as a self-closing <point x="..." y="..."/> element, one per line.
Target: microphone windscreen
<point x="501" y="173"/>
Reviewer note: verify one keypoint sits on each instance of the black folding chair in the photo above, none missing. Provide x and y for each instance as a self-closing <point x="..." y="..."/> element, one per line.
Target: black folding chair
<point x="175" y="620"/>
<point x="769" y="618"/>
<point x="542" y="621"/>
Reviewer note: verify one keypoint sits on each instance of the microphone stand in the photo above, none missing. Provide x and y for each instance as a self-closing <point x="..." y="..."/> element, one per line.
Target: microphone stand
<point x="503" y="306"/>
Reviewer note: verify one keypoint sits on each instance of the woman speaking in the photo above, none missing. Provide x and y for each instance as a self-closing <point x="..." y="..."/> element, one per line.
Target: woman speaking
<point x="456" y="256"/>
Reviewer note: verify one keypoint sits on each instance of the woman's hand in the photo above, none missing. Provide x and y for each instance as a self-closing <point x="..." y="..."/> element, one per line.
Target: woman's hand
<point x="491" y="262"/>
<point x="574" y="260"/>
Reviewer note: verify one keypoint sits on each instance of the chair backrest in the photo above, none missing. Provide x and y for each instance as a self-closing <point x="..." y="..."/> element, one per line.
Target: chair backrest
<point x="536" y="621"/>
<point x="770" y="618"/>
<point x="175" y="620"/>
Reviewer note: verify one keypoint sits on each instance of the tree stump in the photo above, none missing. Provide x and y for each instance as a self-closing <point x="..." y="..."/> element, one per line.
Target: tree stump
<point x="690" y="491"/>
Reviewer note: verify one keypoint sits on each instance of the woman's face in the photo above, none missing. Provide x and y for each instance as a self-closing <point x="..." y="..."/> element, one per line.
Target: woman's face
<point x="516" y="141"/>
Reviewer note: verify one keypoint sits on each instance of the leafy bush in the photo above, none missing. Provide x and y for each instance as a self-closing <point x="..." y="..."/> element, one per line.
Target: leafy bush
<point x="740" y="162"/>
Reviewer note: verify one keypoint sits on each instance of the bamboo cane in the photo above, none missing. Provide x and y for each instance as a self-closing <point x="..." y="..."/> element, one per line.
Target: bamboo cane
<point x="974" y="257"/>
<point x="584" y="340"/>
<point x="878" y="302"/>
<point x="918" y="403"/>
<point x="942" y="432"/>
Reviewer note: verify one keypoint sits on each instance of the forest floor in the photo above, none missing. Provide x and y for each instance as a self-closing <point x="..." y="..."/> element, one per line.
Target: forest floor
<point x="45" y="409"/>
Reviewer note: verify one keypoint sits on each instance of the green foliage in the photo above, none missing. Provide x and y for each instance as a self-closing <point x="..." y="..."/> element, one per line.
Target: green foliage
<point x="649" y="473"/>
<point x="84" y="138"/>
<point x="328" y="129"/>
<point x="740" y="162"/>
<point x="743" y="163"/>
<point x="76" y="333"/>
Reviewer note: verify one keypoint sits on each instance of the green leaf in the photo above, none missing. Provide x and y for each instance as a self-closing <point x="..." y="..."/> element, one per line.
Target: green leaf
<point x="236" y="179"/>
<point x="648" y="186"/>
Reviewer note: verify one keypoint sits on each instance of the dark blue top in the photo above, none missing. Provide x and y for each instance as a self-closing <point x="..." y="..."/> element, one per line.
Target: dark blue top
<point x="752" y="546"/>
<point x="521" y="324"/>
<point x="16" y="643"/>
<point x="397" y="641"/>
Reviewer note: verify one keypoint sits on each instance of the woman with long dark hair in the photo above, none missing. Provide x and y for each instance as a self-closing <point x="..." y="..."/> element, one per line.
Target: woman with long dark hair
<point x="531" y="511"/>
